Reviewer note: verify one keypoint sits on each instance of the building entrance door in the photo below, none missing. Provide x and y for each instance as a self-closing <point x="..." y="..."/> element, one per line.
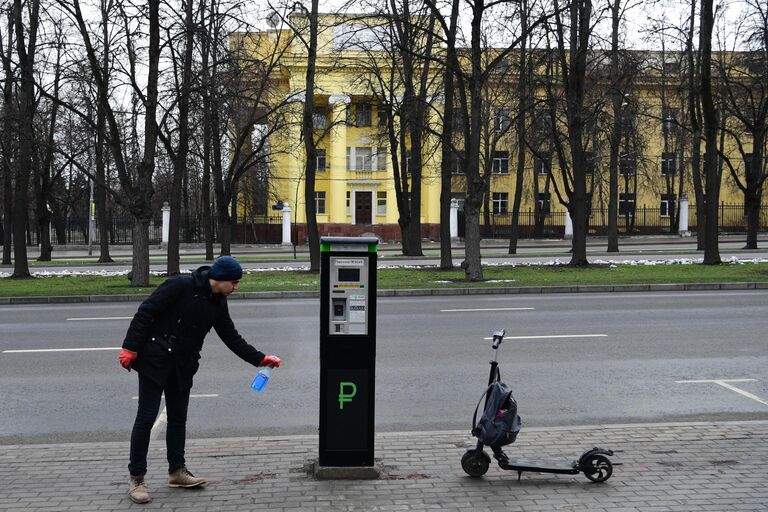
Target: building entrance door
<point x="363" y="207"/>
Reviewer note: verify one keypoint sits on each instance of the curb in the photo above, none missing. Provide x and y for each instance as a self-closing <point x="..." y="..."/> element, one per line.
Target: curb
<point x="419" y="292"/>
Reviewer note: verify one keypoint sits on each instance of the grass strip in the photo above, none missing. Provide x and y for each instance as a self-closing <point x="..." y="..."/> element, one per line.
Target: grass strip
<point x="421" y="277"/>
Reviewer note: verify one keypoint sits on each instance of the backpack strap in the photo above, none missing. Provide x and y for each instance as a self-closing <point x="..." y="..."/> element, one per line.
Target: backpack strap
<point x="474" y="416"/>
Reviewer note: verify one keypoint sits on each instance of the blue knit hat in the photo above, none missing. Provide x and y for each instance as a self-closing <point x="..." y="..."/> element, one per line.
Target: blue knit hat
<point x="226" y="268"/>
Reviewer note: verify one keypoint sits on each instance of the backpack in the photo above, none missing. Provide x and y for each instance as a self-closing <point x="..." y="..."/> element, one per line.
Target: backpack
<point x="500" y="423"/>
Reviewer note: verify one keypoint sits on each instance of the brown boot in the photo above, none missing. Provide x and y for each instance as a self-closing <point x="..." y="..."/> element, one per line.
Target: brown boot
<point x="137" y="491"/>
<point x="183" y="478"/>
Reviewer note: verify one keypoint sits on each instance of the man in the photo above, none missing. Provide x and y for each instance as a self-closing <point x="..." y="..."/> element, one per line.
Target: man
<point x="163" y="345"/>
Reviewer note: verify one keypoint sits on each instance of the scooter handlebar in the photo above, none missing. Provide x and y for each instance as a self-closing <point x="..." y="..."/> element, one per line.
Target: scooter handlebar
<point x="498" y="338"/>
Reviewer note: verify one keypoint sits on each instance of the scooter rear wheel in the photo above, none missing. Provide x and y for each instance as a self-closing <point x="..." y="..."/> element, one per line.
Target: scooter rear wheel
<point x="475" y="463"/>
<point x="598" y="468"/>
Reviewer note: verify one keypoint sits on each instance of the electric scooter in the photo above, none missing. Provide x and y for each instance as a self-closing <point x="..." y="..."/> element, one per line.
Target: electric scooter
<point x="594" y="463"/>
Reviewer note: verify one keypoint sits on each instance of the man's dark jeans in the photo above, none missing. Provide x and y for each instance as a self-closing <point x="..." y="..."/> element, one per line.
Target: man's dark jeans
<point x="176" y="403"/>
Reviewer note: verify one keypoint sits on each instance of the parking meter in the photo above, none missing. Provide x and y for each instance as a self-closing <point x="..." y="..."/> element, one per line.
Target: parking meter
<point x="347" y="350"/>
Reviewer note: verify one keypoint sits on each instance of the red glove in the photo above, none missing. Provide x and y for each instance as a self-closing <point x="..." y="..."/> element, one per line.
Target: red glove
<point x="127" y="358"/>
<point x="271" y="361"/>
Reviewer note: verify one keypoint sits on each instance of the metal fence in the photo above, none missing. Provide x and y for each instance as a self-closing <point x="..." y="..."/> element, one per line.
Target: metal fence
<point x="642" y="220"/>
<point x="267" y="228"/>
<point x="74" y="231"/>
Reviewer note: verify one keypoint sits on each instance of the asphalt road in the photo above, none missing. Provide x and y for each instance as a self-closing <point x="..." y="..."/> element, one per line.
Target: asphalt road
<point x="618" y="360"/>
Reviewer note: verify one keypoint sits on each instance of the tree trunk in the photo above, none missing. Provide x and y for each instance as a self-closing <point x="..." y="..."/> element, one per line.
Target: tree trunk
<point x="472" y="264"/>
<point x="712" y="186"/>
<point x="140" y="260"/>
<point x="8" y="142"/>
<point x="617" y="98"/>
<point x="26" y="56"/>
<point x="225" y="232"/>
<point x="522" y="115"/>
<point x="447" y="155"/>
<point x="100" y="191"/>
<point x="310" y="149"/>
<point x="753" y="192"/>
<point x="580" y="30"/>
<point x="180" y="158"/>
<point x="208" y="131"/>
<point x="7" y="215"/>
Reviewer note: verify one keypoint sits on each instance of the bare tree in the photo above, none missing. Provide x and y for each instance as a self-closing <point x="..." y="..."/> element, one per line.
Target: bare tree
<point x="26" y="49"/>
<point x="470" y="83"/>
<point x="135" y="172"/>
<point x="571" y="68"/>
<point x="178" y="154"/>
<point x="744" y="77"/>
<point x="712" y="171"/>
<point x="8" y="132"/>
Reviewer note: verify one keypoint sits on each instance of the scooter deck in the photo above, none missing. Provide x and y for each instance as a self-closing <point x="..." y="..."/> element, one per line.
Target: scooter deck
<point x="554" y="465"/>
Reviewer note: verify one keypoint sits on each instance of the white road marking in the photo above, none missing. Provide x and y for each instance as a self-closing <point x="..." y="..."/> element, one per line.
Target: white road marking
<point x="726" y="384"/>
<point x="159" y="426"/>
<point x="489" y="309"/>
<point x="99" y="318"/>
<point x="552" y="336"/>
<point x="190" y="396"/>
<point x="38" y="350"/>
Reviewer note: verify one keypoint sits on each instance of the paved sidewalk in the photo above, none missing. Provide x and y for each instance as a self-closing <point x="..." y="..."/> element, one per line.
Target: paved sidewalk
<point x="666" y="467"/>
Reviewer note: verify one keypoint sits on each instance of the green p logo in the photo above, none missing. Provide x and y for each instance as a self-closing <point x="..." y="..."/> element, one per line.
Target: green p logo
<point x="347" y="391"/>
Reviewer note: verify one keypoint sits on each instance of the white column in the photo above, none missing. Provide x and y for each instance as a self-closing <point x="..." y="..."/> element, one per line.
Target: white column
<point x="286" y="224"/>
<point x="568" y="226"/>
<point x="166" y="222"/>
<point x="454" y="218"/>
<point x="683" y="221"/>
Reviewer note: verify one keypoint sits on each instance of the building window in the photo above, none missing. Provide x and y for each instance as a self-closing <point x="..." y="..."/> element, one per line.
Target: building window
<point x="321" y="161"/>
<point x="668" y="164"/>
<point x="542" y="125"/>
<point x="669" y="120"/>
<point x="349" y="202"/>
<point x="545" y="202"/>
<point x="500" y="162"/>
<point x="626" y="203"/>
<point x="318" y="119"/>
<point x="542" y="164"/>
<point x="359" y="159"/>
<point x="381" y="116"/>
<point x="363" y="114"/>
<point x="381" y="203"/>
<point x="627" y="165"/>
<point x="381" y="159"/>
<point x="501" y="120"/>
<point x="320" y="203"/>
<point x="667" y="205"/>
<point x="408" y="160"/>
<point x="500" y="202"/>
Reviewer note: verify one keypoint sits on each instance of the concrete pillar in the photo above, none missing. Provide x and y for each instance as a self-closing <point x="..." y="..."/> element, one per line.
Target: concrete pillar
<point x="166" y="209"/>
<point x="683" y="224"/>
<point x="286" y="225"/>
<point x="568" y="226"/>
<point x="336" y="203"/>
<point x="454" y="218"/>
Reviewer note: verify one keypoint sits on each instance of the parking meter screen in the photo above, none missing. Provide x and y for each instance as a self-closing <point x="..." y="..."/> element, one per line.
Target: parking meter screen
<point x="349" y="275"/>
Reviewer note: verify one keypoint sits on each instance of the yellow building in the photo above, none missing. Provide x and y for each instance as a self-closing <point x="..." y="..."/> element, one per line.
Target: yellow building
<point x="355" y="189"/>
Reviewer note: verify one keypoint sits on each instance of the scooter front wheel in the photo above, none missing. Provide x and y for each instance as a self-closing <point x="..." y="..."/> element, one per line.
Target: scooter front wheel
<point x="475" y="463"/>
<point x="598" y="468"/>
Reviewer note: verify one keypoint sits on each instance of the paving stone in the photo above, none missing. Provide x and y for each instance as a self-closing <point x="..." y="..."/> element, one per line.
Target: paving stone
<point x="673" y="467"/>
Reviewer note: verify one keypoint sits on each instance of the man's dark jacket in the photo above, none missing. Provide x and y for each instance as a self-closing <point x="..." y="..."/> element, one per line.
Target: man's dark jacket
<point x="182" y="310"/>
